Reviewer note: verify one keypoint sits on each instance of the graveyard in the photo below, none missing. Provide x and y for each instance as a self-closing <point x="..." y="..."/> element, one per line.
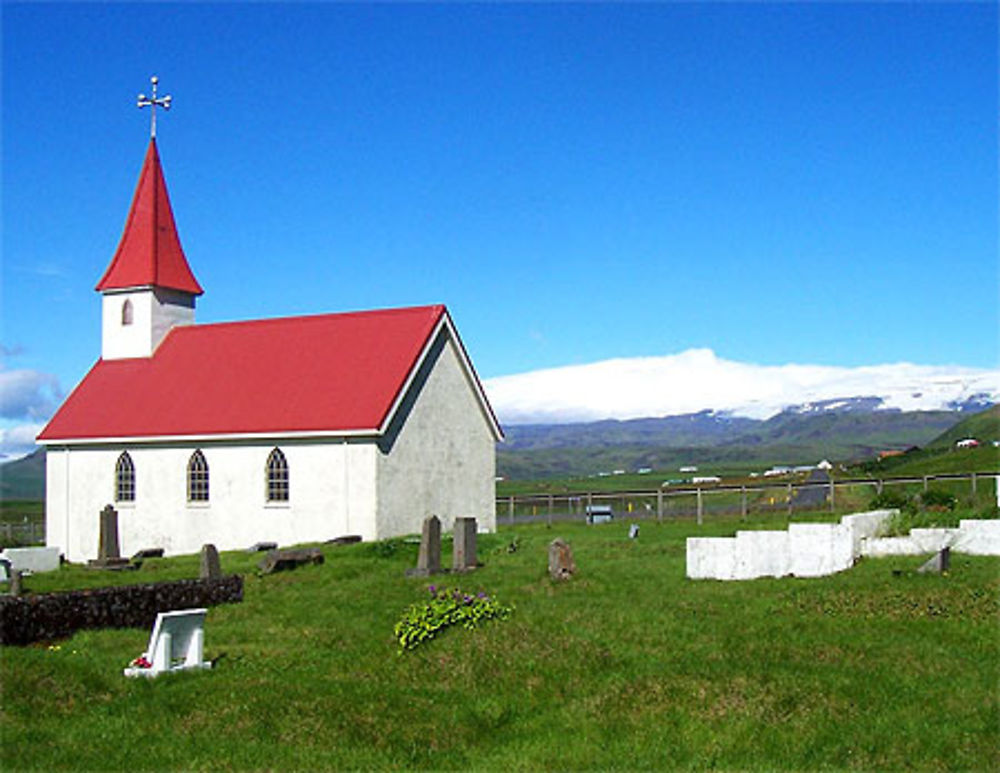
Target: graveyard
<point x="623" y="663"/>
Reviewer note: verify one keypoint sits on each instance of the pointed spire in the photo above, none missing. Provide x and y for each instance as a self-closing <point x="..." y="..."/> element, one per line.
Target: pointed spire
<point x="150" y="253"/>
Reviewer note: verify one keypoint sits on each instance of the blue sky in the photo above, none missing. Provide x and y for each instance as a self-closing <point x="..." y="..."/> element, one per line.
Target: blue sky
<point x="779" y="183"/>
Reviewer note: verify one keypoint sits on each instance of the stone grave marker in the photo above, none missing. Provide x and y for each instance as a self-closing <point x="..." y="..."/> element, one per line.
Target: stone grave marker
<point x="5" y="569"/>
<point x="561" y="564"/>
<point x="464" y="547"/>
<point x="142" y="555"/>
<point x="262" y="547"/>
<point x="939" y="563"/>
<point x="108" y="553"/>
<point x="210" y="569"/>
<point x="283" y="560"/>
<point x="176" y="644"/>
<point x="429" y="559"/>
<point x="633" y="531"/>
<point x="16" y="583"/>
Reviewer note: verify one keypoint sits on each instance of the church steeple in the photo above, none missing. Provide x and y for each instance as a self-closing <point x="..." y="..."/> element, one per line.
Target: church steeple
<point x="150" y="252"/>
<point x="149" y="288"/>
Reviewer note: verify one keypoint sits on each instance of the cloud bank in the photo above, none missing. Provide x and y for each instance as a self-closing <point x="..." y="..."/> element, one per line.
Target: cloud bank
<point x="698" y="380"/>
<point x="27" y="399"/>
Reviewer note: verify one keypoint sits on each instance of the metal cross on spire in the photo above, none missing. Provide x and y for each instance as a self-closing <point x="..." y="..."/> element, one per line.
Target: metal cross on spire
<point x="153" y="102"/>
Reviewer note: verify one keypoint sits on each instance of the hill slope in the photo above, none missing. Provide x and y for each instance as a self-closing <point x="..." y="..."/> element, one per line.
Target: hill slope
<point x="24" y="479"/>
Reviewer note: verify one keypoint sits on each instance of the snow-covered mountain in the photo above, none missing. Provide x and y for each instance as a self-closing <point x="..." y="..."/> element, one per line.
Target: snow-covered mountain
<point x="697" y="380"/>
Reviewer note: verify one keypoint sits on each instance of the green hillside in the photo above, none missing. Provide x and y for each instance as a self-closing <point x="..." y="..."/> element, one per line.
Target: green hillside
<point x="24" y="479"/>
<point x="984" y="427"/>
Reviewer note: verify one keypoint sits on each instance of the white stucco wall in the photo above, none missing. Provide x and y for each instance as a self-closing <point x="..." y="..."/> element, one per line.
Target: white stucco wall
<point x="443" y="460"/>
<point x="331" y="485"/>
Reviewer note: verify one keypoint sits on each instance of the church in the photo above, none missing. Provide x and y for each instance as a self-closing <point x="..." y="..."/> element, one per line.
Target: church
<point x="288" y="430"/>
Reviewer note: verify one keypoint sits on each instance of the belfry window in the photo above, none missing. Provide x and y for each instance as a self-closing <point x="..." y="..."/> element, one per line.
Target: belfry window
<point x="125" y="479"/>
<point x="197" y="478"/>
<point x="277" y="477"/>
<point x="127" y="312"/>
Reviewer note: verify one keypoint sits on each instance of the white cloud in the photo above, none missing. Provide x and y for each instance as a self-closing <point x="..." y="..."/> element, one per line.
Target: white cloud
<point x="697" y="380"/>
<point x="28" y="394"/>
<point x="18" y="440"/>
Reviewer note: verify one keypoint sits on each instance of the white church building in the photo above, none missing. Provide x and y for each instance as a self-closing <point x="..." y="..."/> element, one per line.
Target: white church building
<point x="288" y="430"/>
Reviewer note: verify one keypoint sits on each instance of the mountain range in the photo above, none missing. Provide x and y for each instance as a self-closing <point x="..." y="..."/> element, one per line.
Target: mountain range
<point x="842" y="429"/>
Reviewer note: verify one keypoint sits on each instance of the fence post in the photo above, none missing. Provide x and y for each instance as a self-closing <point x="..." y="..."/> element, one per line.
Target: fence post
<point x="789" y="499"/>
<point x="973" y="484"/>
<point x="550" y="509"/>
<point x="699" y="506"/>
<point x="926" y="477"/>
<point x="833" y="491"/>
<point x="510" y="509"/>
<point x="743" y="502"/>
<point x="659" y="504"/>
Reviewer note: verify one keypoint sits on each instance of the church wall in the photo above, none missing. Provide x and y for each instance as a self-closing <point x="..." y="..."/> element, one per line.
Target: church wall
<point x="441" y="458"/>
<point x="331" y="493"/>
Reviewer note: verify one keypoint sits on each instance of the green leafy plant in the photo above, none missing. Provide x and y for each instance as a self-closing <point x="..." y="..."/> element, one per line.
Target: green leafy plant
<point x="893" y="500"/>
<point x="938" y="498"/>
<point x="447" y="607"/>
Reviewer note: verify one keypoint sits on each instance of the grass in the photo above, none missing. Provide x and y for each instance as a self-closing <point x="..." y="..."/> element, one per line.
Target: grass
<point x="627" y="666"/>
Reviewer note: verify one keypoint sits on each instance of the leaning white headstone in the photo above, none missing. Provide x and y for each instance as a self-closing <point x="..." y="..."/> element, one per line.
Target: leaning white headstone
<point x="176" y="644"/>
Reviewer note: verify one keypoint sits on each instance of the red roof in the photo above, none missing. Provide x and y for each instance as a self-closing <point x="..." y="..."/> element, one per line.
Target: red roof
<point x="331" y="373"/>
<point x="150" y="252"/>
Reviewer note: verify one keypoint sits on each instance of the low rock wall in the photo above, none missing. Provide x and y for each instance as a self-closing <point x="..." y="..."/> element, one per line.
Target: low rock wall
<point x="44" y="617"/>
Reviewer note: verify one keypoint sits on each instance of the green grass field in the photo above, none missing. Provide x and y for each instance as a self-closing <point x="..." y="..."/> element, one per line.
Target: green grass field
<point x="627" y="666"/>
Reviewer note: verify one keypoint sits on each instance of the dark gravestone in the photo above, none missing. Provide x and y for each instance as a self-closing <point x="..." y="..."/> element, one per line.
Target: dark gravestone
<point x="348" y="539"/>
<point x="561" y="564"/>
<point x="283" y="560"/>
<point x="464" y="548"/>
<point x="108" y="553"/>
<point x="429" y="559"/>
<point x="939" y="563"/>
<point x="261" y="547"/>
<point x="145" y="553"/>
<point x="211" y="569"/>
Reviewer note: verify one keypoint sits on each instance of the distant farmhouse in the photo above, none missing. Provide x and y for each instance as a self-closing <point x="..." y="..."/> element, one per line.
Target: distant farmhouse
<point x="286" y="430"/>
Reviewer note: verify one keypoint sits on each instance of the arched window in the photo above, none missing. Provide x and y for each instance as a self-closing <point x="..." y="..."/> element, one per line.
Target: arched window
<point x="127" y="312"/>
<point x="277" y="477"/>
<point x="197" y="478"/>
<point x="125" y="479"/>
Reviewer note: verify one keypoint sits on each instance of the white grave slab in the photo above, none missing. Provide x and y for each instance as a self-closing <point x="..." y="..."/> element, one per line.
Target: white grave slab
<point x="176" y="644"/>
<point x="32" y="559"/>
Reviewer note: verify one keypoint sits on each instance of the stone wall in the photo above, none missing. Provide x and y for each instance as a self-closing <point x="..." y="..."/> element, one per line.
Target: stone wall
<point x="49" y="616"/>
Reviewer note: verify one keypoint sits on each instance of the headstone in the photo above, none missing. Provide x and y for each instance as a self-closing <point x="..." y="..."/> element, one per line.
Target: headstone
<point x="176" y="644"/>
<point x="429" y="559"/>
<point x="32" y="560"/>
<point x="938" y="563"/>
<point x="5" y="570"/>
<point x="145" y="553"/>
<point x="211" y="569"/>
<point x="561" y="564"/>
<point x="464" y="548"/>
<point x="347" y="539"/>
<point x="283" y="560"/>
<point x="633" y="531"/>
<point x="16" y="583"/>
<point x="108" y="553"/>
<point x="261" y="547"/>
